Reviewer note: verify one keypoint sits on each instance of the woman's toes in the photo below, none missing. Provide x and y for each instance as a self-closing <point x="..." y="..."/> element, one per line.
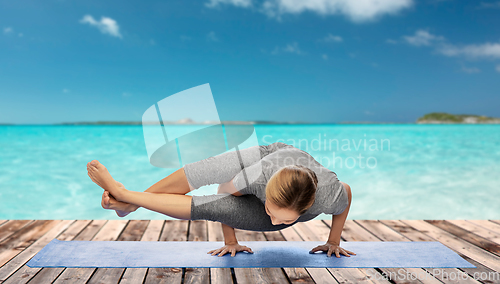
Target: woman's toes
<point x="96" y="165"/>
<point x="93" y="174"/>
<point x="93" y="178"/>
<point x="105" y="200"/>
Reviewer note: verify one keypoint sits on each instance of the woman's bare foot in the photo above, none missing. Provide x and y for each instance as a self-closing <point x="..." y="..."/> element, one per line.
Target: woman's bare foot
<point x="122" y="209"/>
<point x="100" y="175"/>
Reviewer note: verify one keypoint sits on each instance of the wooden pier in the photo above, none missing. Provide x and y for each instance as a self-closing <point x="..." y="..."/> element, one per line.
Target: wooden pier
<point x="477" y="241"/>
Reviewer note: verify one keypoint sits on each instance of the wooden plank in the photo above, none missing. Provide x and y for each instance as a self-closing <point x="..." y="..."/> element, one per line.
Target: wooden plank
<point x="24" y="273"/>
<point x="491" y="226"/>
<point x="443" y="274"/>
<point x="319" y="275"/>
<point x="173" y="230"/>
<point x="321" y="228"/>
<point x="352" y="232"/>
<point x="153" y="231"/>
<point x="132" y="232"/>
<point x="91" y="230"/>
<point x="197" y="233"/>
<point x="218" y="275"/>
<point x="256" y="275"/>
<point x="23" y="238"/>
<point x="10" y="227"/>
<point x="47" y="275"/>
<point x="152" y="234"/>
<point x="74" y="230"/>
<point x="294" y="274"/>
<point x="109" y="232"/>
<point x="466" y="235"/>
<point x="457" y="244"/>
<point x="3" y="222"/>
<point x="477" y="229"/>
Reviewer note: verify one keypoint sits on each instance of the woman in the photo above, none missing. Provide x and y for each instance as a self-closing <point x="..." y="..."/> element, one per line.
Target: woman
<point x="268" y="192"/>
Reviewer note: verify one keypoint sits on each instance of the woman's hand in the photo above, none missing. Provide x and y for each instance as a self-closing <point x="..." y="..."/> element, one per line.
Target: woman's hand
<point x="232" y="248"/>
<point x="330" y="248"/>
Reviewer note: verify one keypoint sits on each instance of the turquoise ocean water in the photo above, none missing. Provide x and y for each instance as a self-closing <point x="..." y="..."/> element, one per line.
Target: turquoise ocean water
<point x="395" y="171"/>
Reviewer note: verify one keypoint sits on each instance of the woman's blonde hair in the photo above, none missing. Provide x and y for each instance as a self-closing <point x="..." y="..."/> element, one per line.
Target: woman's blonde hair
<point x="292" y="187"/>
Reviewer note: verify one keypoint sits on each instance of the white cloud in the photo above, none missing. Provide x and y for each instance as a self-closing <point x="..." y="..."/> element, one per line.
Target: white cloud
<point x="66" y="91"/>
<point x="237" y="3"/>
<point x="8" y="30"/>
<point x="422" y="38"/>
<point x="105" y="25"/>
<point x="391" y="41"/>
<point x="470" y="70"/>
<point x="185" y="38"/>
<point x="290" y="48"/>
<point x="333" y="38"/>
<point x="490" y="5"/>
<point x="442" y="46"/>
<point x="126" y="95"/>
<point x="486" y="50"/>
<point x="497" y="68"/>
<point x="212" y="37"/>
<point x="356" y="10"/>
<point x="324" y="56"/>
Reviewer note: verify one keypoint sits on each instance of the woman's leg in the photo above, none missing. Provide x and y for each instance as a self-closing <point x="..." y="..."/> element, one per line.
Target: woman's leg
<point x="246" y="212"/>
<point x="175" y="183"/>
<point x="176" y="204"/>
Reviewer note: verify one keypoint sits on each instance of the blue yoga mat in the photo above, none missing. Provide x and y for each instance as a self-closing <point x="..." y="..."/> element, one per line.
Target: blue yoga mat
<point x="123" y="254"/>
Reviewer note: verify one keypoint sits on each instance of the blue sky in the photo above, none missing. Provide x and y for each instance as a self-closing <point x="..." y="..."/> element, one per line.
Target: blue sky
<point x="318" y="61"/>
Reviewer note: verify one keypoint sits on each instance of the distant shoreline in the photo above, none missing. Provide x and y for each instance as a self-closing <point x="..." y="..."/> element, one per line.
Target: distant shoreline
<point x="435" y="118"/>
<point x="260" y="124"/>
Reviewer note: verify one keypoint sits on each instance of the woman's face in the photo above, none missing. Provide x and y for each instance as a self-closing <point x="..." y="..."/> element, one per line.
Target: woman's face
<point x="280" y="215"/>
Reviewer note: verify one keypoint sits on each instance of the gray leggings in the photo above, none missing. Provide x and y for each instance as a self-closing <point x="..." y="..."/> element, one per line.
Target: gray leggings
<point x="246" y="212"/>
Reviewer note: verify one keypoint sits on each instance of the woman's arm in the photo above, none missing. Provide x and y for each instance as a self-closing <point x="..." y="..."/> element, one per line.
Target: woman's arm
<point x="229" y="235"/>
<point x="338" y="221"/>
